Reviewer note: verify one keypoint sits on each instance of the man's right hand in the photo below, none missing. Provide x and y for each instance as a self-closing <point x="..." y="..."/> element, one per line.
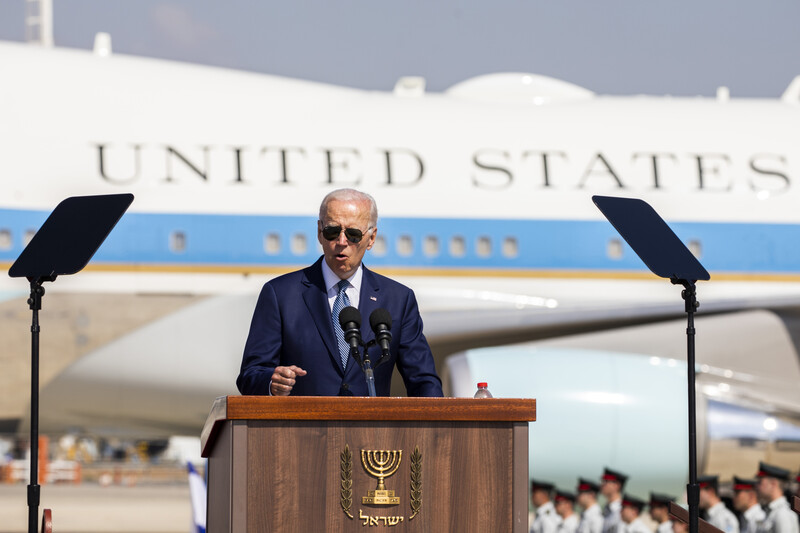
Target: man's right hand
<point x="283" y="379"/>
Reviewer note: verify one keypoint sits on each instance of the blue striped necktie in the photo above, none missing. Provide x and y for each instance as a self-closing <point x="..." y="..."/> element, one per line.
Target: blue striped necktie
<point x="340" y="303"/>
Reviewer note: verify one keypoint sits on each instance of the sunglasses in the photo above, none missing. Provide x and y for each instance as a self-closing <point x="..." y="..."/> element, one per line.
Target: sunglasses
<point x="352" y="234"/>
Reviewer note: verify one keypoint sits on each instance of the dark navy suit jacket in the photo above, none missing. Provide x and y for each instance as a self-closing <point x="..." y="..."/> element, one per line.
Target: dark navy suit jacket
<point x="292" y="326"/>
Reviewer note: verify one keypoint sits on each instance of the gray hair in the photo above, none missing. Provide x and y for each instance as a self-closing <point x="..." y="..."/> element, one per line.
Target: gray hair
<point x="351" y="195"/>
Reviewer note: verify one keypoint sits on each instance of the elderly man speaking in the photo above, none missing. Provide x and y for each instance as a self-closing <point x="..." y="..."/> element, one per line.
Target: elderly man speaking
<point x="293" y="348"/>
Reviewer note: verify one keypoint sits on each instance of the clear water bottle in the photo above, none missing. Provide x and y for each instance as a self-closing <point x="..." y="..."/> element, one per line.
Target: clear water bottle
<point x="483" y="391"/>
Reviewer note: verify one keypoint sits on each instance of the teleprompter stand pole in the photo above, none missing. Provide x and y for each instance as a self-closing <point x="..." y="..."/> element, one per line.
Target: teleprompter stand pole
<point x="35" y="303"/>
<point x="692" y="489"/>
<point x="667" y="257"/>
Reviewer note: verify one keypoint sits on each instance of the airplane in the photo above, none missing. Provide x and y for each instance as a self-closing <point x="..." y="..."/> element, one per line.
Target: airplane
<point x="484" y="195"/>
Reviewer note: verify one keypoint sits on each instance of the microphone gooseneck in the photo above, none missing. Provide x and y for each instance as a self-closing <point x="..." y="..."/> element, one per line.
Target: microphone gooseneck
<point x="350" y="321"/>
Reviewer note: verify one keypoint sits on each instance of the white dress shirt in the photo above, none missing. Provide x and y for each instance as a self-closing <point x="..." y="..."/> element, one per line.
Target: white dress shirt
<point x="722" y="518"/>
<point x="591" y="520"/>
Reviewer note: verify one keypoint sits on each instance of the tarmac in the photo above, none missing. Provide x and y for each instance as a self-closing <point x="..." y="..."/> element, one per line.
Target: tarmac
<point x="91" y="508"/>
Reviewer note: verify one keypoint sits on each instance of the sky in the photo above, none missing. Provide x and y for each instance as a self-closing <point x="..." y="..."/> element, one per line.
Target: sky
<point x="680" y="47"/>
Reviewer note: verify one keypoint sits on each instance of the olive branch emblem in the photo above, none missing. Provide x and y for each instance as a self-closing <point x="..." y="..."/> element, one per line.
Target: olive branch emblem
<point x="416" y="482"/>
<point x="347" y="480"/>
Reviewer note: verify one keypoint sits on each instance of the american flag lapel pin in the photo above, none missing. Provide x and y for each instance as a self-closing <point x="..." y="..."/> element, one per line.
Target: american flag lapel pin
<point x="373" y="298"/>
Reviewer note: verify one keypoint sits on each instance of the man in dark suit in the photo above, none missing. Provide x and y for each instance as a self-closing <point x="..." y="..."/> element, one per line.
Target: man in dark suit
<point x="293" y="348"/>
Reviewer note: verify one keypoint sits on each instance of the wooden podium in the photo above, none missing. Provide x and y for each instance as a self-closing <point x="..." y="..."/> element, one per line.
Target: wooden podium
<point x="303" y="464"/>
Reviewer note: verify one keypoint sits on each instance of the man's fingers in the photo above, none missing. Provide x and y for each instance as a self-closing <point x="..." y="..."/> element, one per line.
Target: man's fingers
<point x="298" y="371"/>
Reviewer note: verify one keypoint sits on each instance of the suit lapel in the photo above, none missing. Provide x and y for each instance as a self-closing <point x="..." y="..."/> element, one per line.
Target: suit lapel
<point x="368" y="302"/>
<point x="316" y="299"/>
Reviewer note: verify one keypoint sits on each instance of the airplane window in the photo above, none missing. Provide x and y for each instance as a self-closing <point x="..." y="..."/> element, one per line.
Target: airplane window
<point x="696" y="248"/>
<point x="405" y="246"/>
<point x="272" y="243"/>
<point x="177" y="241"/>
<point x="614" y="249"/>
<point x="29" y="235"/>
<point x="510" y="247"/>
<point x="299" y="245"/>
<point x="484" y="246"/>
<point x="5" y="239"/>
<point x="430" y="246"/>
<point x="379" y="248"/>
<point x="458" y="246"/>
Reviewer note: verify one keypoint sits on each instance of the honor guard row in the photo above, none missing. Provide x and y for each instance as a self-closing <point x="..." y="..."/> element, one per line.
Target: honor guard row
<point x="761" y="505"/>
<point x="620" y="515"/>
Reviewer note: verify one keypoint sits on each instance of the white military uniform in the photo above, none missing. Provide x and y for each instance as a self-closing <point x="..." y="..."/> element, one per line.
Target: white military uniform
<point x="611" y="518"/>
<point x="780" y="518"/>
<point x="547" y="519"/>
<point x="568" y="524"/>
<point x="752" y="518"/>
<point x="637" y="526"/>
<point x="591" y="520"/>
<point x="722" y="518"/>
<point x="664" y="527"/>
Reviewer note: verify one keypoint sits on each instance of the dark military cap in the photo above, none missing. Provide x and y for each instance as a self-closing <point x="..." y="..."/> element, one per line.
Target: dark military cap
<point x="613" y="475"/>
<point x="708" y="482"/>
<point x="765" y="470"/>
<point x="562" y="495"/>
<point x="631" y="501"/>
<point x="542" y="485"/>
<point x="585" y="485"/>
<point x="660" y="499"/>
<point x="744" y="484"/>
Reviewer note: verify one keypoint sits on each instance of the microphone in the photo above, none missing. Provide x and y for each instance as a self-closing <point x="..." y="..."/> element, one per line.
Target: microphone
<point x="350" y="321"/>
<point x="381" y="323"/>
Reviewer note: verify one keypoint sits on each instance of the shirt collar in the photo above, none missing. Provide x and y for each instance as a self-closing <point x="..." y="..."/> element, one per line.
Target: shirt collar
<point x="778" y="502"/>
<point x="331" y="279"/>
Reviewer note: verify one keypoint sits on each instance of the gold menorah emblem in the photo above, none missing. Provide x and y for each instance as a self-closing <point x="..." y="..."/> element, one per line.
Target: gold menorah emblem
<point x="381" y="464"/>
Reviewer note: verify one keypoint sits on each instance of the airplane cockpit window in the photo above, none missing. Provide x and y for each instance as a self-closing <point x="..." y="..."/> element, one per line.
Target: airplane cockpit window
<point x="272" y="243"/>
<point x="614" y="249"/>
<point x="510" y="248"/>
<point x="405" y="246"/>
<point x="458" y="246"/>
<point x="299" y="244"/>
<point x="379" y="248"/>
<point x="177" y="242"/>
<point x="430" y="246"/>
<point x="5" y="239"/>
<point x="483" y="246"/>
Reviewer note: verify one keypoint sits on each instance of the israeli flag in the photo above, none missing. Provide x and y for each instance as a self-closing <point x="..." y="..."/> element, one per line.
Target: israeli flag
<point x="197" y="491"/>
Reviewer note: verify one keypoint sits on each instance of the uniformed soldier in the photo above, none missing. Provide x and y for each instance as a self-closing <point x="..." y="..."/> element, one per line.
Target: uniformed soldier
<point x="659" y="512"/>
<point x="745" y="500"/>
<point x="780" y="517"/>
<point x="547" y="519"/>
<point x="565" y="507"/>
<point x="717" y="514"/>
<point x="611" y="486"/>
<point x="629" y="515"/>
<point x="592" y="516"/>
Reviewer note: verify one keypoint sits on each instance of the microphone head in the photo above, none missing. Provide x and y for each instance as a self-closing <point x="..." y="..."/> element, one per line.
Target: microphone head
<point x="380" y="316"/>
<point x="349" y="314"/>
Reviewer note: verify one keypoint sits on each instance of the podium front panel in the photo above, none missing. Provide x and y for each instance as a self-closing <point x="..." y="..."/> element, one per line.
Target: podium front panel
<point x="325" y="475"/>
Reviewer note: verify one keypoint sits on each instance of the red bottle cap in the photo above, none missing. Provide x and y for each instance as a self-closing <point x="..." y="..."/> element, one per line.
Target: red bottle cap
<point x="483" y="385"/>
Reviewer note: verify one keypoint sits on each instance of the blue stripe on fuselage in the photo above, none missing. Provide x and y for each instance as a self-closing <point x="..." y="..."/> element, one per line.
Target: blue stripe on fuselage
<point x="143" y="239"/>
